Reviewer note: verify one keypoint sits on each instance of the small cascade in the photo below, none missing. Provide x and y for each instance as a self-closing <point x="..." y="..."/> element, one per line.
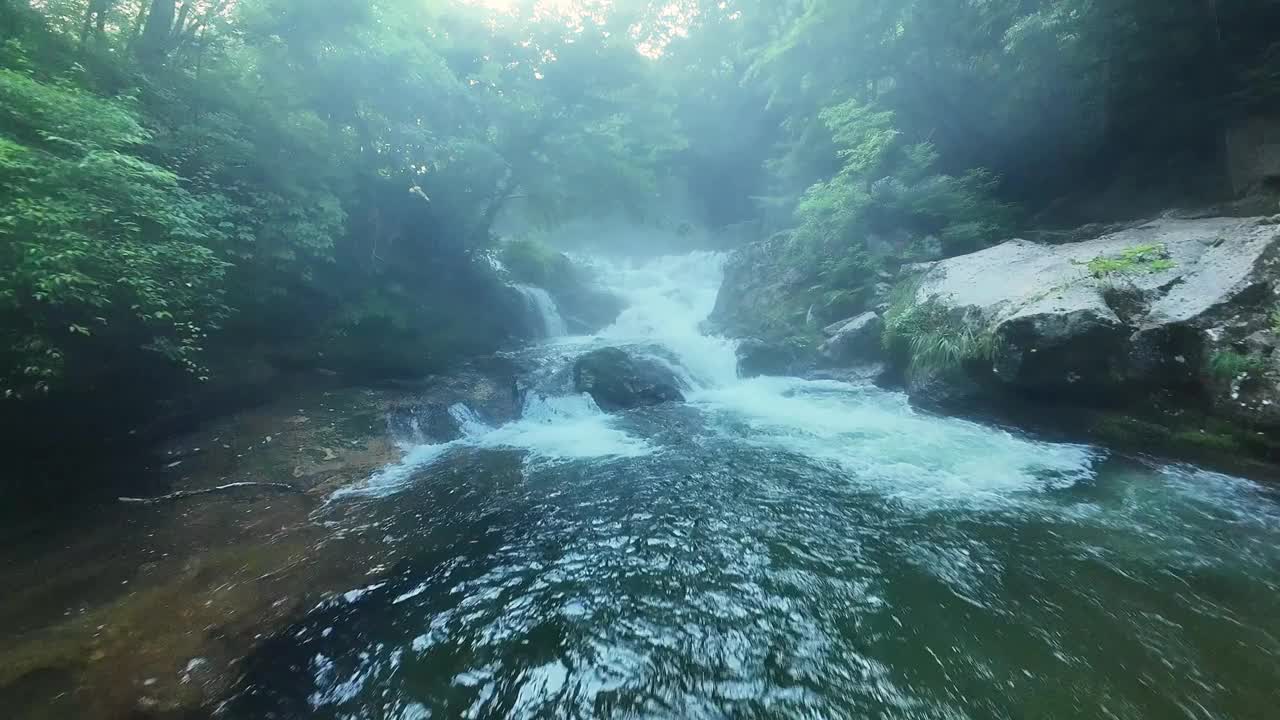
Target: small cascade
<point x="544" y="307"/>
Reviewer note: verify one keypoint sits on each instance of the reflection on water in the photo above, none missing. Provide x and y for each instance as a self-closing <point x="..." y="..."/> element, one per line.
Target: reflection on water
<point x="783" y="548"/>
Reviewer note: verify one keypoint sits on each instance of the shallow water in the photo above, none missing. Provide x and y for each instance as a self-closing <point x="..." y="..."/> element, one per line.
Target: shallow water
<point x="783" y="548"/>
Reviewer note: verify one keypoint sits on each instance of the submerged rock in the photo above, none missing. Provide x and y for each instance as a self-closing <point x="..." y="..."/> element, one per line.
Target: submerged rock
<point x="854" y="341"/>
<point x="618" y="381"/>
<point x="438" y="408"/>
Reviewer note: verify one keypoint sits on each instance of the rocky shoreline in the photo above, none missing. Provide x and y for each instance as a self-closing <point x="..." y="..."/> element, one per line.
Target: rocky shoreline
<point x="1159" y="336"/>
<point x="145" y="606"/>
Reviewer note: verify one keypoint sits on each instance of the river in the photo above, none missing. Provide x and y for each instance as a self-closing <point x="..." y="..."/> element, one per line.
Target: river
<point x="781" y="548"/>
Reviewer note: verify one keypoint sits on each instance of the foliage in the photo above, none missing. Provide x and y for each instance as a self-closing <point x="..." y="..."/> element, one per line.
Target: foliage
<point x="1138" y="260"/>
<point x="259" y="165"/>
<point x="98" y="244"/>
<point x="1228" y="365"/>
<point x="889" y="191"/>
<point x="928" y="338"/>
<point x="533" y="262"/>
<point x="270" y="167"/>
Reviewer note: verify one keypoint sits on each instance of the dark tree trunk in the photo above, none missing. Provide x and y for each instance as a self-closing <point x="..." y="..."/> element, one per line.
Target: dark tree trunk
<point x="157" y="34"/>
<point x="95" y="20"/>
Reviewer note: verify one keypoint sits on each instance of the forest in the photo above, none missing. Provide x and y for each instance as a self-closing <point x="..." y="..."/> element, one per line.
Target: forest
<point x="397" y="359"/>
<point x="193" y="191"/>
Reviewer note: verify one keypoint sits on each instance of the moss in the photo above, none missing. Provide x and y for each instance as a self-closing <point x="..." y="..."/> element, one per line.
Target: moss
<point x="1209" y="441"/>
<point x="1127" y="430"/>
<point x="1138" y="260"/>
<point x="533" y="262"/>
<point x="1228" y="365"/>
<point x="1197" y="436"/>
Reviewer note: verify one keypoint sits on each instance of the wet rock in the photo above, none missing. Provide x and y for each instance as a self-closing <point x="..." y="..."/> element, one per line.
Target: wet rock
<point x="758" y="357"/>
<point x="437" y="408"/>
<point x="1163" y="306"/>
<point x="618" y="381"/>
<point x="854" y="341"/>
<point x="944" y="391"/>
<point x="760" y="292"/>
<point x="587" y="309"/>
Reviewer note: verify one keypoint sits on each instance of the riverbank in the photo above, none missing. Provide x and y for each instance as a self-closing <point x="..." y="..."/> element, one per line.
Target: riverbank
<point x="1158" y="335"/>
<point x="491" y="527"/>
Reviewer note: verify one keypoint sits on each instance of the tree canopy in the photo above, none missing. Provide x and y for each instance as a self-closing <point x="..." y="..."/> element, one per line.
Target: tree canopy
<point x="184" y="177"/>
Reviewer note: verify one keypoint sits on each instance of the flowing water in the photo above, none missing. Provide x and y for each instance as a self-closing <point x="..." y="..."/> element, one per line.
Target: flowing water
<point x="543" y="307"/>
<point x="781" y="548"/>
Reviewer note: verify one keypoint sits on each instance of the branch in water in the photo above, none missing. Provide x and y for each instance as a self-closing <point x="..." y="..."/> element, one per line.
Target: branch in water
<point x="208" y="491"/>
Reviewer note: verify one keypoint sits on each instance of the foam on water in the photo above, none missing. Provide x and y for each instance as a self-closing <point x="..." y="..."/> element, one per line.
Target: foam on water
<point x="565" y="428"/>
<point x="879" y="441"/>
<point x="551" y="429"/>
<point x="668" y="300"/>
<point x="873" y="436"/>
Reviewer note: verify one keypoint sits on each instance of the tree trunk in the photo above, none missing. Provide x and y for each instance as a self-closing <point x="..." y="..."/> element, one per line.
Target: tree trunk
<point x="157" y="34"/>
<point x="95" y="19"/>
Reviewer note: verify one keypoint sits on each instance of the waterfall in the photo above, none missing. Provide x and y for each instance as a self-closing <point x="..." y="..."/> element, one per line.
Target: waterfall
<point x="543" y="305"/>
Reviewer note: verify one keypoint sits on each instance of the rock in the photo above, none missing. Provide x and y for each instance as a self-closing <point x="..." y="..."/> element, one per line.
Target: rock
<point x="943" y="391"/>
<point x="758" y="357"/>
<point x="1158" y="302"/>
<point x="438" y="408"/>
<point x="618" y="381"/>
<point x="854" y="341"/>
<point x="866" y="373"/>
<point x="586" y="308"/>
<point x="759" y="295"/>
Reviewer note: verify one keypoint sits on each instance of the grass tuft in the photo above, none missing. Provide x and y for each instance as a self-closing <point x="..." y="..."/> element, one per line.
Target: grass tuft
<point x="1229" y="365"/>
<point x="928" y="338"/>
<point x="1138" y="260"/>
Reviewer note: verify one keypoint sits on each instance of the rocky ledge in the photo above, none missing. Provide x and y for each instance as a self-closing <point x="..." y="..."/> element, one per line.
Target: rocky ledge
<point x="1171" y="324"/>
<point x="1165" y="331"/>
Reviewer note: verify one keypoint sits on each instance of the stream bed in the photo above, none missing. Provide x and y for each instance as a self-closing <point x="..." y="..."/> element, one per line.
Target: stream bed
<point x="773" y="548"/>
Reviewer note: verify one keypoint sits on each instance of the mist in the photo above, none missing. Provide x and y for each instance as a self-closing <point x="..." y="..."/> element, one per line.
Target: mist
<point x="410" y="359"/>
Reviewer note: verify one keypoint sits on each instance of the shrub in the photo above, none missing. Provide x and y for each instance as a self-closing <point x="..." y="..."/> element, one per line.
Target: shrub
<point x="100" y="250"/>
<point x="928" y="338"/>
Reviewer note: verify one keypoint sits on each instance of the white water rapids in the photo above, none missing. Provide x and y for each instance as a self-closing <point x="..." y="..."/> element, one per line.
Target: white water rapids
<point x="779" y="547"/>
<point x="873" y="433"/>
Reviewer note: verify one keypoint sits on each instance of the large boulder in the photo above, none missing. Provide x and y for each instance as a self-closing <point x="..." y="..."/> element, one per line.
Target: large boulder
<point x="585" y="307"/>
<point x="758" y="295"/>
<point x="1166" y="304"/>
<point x="618" y="381"/>
<point x="854" y="341"/>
